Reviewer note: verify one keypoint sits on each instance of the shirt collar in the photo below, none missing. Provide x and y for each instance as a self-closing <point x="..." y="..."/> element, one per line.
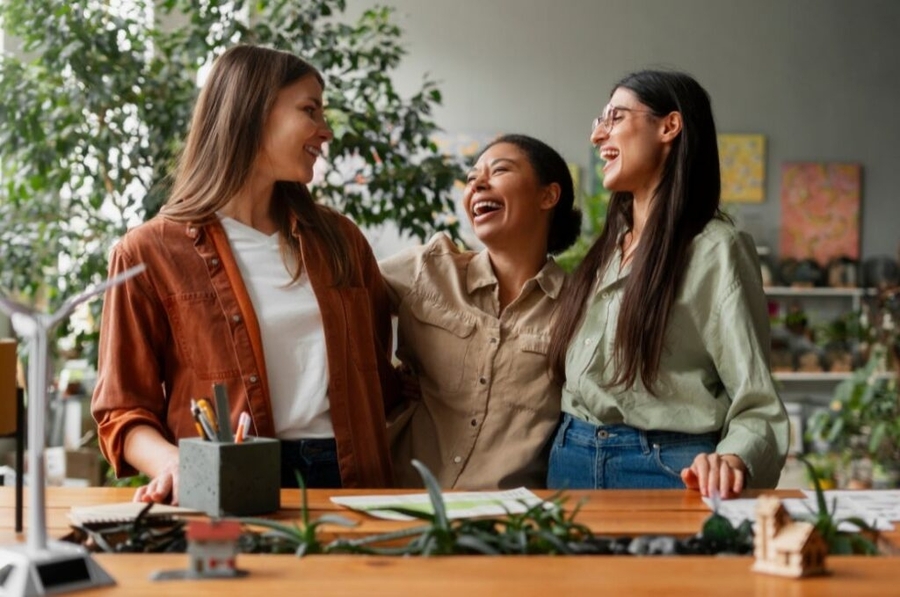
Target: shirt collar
<point x="480" y="274"/>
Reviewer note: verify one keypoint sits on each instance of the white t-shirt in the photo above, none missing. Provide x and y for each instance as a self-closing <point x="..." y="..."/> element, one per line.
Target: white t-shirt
<point x="292" y="334"/>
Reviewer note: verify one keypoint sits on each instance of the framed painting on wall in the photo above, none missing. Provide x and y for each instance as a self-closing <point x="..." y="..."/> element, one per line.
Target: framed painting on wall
<point x="820" y="203"/>
<point x="743" y="163"/>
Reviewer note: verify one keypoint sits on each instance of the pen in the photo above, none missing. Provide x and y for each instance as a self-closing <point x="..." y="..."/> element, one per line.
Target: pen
<point x="200" y="422"/>
<point x="243" y="427"/>
<point x="210" y="415"/>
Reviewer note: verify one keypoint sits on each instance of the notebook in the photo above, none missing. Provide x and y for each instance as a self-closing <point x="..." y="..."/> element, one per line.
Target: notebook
<point x="124" y="512"/>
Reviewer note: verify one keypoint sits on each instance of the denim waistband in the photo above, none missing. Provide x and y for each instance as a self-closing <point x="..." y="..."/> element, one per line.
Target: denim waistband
<point x="309" y="447"/>
<point x="626" y="435"/>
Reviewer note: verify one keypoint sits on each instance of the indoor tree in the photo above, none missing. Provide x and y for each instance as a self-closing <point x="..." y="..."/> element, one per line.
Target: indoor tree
<point x="98" y="100"/>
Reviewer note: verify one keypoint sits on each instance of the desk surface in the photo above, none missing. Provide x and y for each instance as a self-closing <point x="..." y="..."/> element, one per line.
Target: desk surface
<point x="606" y="512"/>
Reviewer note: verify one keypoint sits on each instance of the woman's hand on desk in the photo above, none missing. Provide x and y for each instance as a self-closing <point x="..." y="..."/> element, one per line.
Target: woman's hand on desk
<point x="716" y="474"/>
<point x="163" y="486"/>
<point x="149" y="452"/>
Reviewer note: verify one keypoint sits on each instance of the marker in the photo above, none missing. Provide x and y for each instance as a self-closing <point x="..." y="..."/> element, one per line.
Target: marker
<point x="243" y="427"/>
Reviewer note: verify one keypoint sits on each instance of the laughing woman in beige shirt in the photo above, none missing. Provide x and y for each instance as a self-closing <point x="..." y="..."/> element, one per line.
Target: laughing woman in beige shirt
<point x="474" y="327"/>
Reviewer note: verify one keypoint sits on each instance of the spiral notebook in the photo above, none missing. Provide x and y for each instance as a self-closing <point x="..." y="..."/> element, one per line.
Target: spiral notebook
<point x="124" y="512"/>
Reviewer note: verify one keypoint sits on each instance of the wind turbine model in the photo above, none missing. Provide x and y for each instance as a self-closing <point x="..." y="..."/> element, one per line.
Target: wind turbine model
<point x="40" y="567"/>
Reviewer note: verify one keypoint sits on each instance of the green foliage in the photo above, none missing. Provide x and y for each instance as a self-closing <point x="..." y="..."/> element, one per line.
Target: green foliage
<point x="300" y="539"/>
<point x="863" y="420"/>
<point x="594" y="215"/>
<point x="543" y="528"/>
<point x="839" y="542"/>
<point x="95" y="112"/>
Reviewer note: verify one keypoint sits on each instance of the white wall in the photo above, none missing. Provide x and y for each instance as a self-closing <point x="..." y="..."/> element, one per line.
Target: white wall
<point x="819" y="78"/>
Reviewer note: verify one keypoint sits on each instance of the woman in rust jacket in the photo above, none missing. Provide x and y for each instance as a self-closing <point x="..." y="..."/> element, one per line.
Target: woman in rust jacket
<point x="252" y="285"/>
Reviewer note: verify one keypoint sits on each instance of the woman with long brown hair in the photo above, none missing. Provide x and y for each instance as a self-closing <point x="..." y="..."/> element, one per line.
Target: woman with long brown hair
<point x="664" y="348"/>
<point x="250" y="284"/>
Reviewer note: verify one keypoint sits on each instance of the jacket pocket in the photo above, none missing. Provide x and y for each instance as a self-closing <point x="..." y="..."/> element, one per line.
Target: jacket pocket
<point x="202" y="334"/>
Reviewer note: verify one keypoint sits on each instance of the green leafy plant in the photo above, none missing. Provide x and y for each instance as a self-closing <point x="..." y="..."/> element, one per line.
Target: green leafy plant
<point x="300" y="539"/>
<point x="543" y="528"/>
<point x="863" y="419"/>
<point x="863" y="541"/>
<point x="97" y="103"/>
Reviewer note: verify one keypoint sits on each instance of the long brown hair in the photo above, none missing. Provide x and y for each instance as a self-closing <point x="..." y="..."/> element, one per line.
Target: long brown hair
<point x="224" y="139"/>
<point x="684" y="202"/>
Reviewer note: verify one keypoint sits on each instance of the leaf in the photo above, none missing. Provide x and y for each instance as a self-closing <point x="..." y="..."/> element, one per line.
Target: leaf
<point x="718" y="528"/>
<point x="475" y="544"/>
<point x="336" y="519"/>
<point x="434" y="495"/>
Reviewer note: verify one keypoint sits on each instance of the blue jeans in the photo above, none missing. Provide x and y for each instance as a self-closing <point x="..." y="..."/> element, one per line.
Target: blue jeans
<point x="586" y="456"/>
<point x="315" y="459"/>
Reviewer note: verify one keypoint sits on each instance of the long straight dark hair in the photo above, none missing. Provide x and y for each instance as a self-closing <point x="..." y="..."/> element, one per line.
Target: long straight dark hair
<point x="225" y="137"/>
<point x="683" y="203"/>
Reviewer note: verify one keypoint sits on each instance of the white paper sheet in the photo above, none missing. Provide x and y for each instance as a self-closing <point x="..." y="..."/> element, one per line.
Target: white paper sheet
<point x="877" y="508"/>
<point x="463" y="504"/>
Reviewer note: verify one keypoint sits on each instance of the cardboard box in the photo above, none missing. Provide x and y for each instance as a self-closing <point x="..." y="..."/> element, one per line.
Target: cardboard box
<point x="73" y="467"/>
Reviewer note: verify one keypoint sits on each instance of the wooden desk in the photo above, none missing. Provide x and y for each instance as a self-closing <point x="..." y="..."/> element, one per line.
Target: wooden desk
<point x="606" y="512"/>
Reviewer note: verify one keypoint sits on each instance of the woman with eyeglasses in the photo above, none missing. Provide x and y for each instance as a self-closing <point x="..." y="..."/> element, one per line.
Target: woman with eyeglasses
<point x="664" y="350"/>
<point x="474" y="326"/>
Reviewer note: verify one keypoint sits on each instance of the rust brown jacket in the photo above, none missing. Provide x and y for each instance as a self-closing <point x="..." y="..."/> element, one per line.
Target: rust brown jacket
<point x="187" y="322"/>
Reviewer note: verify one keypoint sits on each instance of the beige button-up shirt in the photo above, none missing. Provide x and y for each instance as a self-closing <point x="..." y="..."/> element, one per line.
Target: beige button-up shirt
<point x="488" y="404"/>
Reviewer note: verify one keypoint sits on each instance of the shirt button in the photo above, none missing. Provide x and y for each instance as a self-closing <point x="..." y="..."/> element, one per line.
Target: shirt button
<point x="253" y="379"/>
<point x="482" y="380"/>
<point x="493" y="340"/>
<point x="474" y="422"/>
<point x="192" y="232"/>
<point x="235" y="318"/>
<point x="214" y="261"/>
<point x="604" y="295"/>
<point x="457" y="459"/>
<point x="587" y="342"/>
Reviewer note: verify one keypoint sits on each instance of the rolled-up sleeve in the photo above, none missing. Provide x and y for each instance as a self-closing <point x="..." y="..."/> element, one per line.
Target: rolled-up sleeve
<point x="129" y="390"/>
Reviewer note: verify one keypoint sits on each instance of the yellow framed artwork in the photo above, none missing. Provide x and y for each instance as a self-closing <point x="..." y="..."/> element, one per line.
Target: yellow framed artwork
<point x="743" y="164"/>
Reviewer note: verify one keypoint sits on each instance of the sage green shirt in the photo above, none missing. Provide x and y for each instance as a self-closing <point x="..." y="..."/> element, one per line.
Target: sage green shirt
<point x="488" y="403"/>
<point x="714" y="371"/>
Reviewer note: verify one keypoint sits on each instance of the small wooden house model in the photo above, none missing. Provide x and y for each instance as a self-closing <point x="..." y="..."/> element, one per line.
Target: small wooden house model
<point x="213" y="547"/>
<point x="785" y="547"/>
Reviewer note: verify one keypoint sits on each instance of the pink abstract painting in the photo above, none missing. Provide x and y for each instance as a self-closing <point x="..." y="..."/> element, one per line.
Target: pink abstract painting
<point x="820" y="210"/>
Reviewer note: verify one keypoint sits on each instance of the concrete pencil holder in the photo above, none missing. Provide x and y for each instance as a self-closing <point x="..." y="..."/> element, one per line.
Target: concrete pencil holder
<point x="230" y="479"/>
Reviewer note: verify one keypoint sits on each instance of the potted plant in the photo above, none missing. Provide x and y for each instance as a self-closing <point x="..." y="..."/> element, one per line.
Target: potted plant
<point x="861" y="426"/>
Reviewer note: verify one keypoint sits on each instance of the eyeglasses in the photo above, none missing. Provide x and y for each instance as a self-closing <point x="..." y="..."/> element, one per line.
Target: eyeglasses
<point x="611" y="116"/>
